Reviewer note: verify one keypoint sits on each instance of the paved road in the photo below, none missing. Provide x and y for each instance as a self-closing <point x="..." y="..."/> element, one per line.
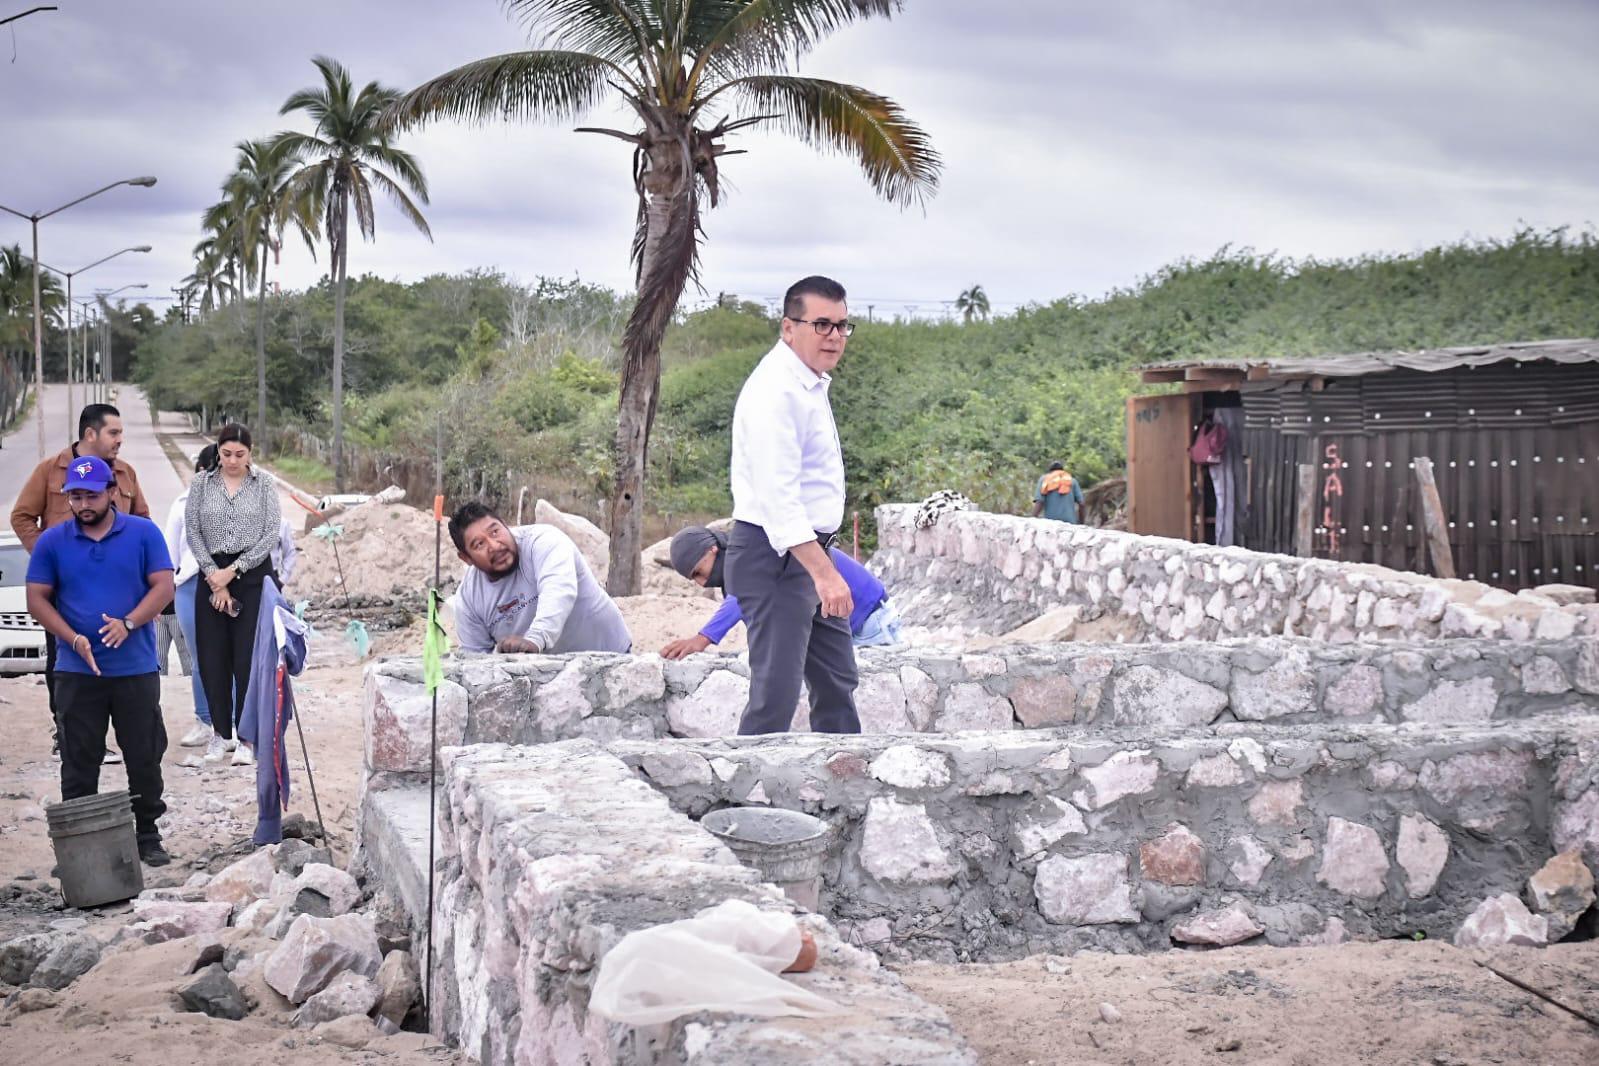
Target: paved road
<point x="141" y="449"/>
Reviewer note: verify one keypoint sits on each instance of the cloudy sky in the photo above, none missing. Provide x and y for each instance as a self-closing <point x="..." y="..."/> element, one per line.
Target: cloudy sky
<point x="1085" y="144"/>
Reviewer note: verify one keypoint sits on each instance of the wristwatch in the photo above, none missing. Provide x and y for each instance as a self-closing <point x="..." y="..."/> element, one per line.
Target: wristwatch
<point x="127" y="623"/>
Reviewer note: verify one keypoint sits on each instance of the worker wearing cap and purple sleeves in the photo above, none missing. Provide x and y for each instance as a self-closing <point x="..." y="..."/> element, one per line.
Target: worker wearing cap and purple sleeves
<point x="97" y="584"/>
<point x="698" y="554"/>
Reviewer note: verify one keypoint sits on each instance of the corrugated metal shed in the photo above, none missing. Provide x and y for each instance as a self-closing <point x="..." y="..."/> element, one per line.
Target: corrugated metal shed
<point x="1218" y="373"/>
<point x="1512" y="430"/>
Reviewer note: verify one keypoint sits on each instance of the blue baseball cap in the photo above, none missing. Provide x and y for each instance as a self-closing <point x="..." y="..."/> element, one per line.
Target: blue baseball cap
<point x="88" y="473"/>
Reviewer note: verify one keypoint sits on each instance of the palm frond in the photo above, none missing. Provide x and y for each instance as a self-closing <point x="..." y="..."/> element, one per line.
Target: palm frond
<point x="303" y="147"/>
<point x="308" y="188"/>
<point x="520" y="85"/>
<point x="407" y="171"/>
<point x="361" y="195"/>
<point x="397" y="196"/>
<point x="321" y="102"/>
<point x="626" y="33"/>
<point x="734" y="37"/>
<point x="896" y="155"/>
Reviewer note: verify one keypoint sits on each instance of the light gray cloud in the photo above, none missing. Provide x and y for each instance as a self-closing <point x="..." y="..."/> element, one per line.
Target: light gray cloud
<point x="1084" y="144"/>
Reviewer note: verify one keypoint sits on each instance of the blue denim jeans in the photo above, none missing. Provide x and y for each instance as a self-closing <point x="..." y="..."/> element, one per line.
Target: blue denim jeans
<point x="185" y="604"/>
<point x="880" y="629"/>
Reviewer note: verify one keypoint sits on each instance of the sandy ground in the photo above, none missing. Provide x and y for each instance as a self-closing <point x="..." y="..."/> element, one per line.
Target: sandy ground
<point x="655" y="621"/>
<point x="1391" y="1002"/>
<point x="123" y="1010"/>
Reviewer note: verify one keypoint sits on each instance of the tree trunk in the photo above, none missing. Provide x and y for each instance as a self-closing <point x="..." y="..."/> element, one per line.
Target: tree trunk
<point x="260" y="359"/>
<point x="664" y="268"/>
<point x="634" y="416"/>
<point x="340" y="257"/>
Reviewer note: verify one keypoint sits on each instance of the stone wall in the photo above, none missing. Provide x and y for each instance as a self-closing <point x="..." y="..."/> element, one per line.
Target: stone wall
<point x="986" y="573"/>
<point x="541" y="699"/>
<point x="550" y="855"/>
<point x="987" y="847"/>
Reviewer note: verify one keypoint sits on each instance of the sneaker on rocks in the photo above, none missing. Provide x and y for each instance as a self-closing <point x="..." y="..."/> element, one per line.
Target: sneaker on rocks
<point x="242" y="756"/>
<point x="230" y="743"/>
<point x="151" y="853"/>
<point x="112" y="757"/>
<point x="216" y="749"/>
<point x="194" y="738"/>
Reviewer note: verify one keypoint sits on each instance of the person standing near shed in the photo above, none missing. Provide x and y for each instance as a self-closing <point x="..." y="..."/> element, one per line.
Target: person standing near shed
<point x="97" y="583"/>
<point x="1059" y="496"/>
<point x="788" y="503"/>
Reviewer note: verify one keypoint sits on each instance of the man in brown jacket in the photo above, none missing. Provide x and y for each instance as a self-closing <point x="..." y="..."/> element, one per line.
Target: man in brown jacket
<point x="41" y="503"/>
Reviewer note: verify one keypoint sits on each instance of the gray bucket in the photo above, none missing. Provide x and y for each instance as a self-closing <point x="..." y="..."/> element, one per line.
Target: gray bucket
<point x="97" y="850"/>
<point x="787" y="847"/>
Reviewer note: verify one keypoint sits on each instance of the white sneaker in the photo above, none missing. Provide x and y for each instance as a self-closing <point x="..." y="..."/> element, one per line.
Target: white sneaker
<point x="230" y="743"/>
<point x="216" y="749"/>
<point x="112" y="756"/>
<point x="200" y="734"/>
<point x="242" y="756"/>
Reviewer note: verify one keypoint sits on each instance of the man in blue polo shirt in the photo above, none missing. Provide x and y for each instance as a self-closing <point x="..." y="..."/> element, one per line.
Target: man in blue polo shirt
<point x="96" y="584"/>
<point x="698" y="554"/>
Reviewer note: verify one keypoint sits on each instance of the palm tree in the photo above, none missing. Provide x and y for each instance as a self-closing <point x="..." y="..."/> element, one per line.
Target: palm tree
<point x="340" y="163"/>
<point x="973" y="303"/>
<point x="16" y="298"/>
<point x="16" y="322"/>
<point x="678" y="64"/>
<point x="261" y="209"/>
<point x="212" y="278"/>
<point x="220" y="221"/>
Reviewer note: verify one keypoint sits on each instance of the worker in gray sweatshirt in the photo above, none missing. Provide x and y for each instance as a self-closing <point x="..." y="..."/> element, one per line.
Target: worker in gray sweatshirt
<point x="528" y="590"/>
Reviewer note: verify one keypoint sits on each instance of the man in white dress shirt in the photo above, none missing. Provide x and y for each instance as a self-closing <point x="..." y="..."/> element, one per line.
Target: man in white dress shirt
<point x="527" y="590"/>
<point x="788" y="502"/>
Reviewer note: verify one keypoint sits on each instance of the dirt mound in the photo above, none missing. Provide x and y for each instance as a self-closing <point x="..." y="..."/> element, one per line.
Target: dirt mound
<point x="590" y="539"/>
<point x="655" y="621"/>
<point x="386" y="551"/>
<point x="659" y="579"/>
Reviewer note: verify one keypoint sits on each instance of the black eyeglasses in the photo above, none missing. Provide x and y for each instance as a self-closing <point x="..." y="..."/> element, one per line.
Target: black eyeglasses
<point x="823" y="326"/>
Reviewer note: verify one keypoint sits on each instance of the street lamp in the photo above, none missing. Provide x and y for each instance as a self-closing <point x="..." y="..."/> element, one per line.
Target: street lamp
<point x="104" y="295"/>
<point x="72" y="425"/>
<point x="38" y="312"/>
<point x="85" y="306"/>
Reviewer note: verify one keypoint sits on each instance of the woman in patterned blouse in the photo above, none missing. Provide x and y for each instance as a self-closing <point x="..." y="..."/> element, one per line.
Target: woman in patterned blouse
<point x="232" y="522"/>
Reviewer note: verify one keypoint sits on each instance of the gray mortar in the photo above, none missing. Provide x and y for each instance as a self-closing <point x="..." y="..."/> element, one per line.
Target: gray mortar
<point x="609" y="698"/>
<point x="1493" y="792"/>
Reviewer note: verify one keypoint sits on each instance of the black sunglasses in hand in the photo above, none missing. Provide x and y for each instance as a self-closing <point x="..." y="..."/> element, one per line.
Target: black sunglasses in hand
<point x="824" y="326"/>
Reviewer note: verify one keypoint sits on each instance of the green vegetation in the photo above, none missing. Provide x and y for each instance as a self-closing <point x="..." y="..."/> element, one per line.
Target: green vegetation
<point x="524" y="378"/>
<point x="309" y="474"/>
<point x="693" y="74"/>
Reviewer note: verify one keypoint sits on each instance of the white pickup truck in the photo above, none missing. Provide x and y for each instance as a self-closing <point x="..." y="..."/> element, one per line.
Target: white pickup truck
<point x="21" y="638"/>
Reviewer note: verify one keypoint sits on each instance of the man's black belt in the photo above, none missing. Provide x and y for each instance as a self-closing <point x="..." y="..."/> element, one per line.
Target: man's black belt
<point x="826" y="540"/>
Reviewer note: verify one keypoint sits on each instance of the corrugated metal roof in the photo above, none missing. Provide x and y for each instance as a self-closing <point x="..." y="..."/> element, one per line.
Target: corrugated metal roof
<point x="1362" y="363"/>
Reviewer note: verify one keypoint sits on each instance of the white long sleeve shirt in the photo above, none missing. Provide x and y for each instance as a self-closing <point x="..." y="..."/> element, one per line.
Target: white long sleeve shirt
<point x="178" y="541"/>
<point x="788" y="467"/>
<point x="285" y="557"/>
<point x="551" y="598"/>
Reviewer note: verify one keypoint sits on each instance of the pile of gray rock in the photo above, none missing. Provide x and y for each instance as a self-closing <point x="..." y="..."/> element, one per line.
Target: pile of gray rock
<point x="1558" y="897"/>
<point x="284" y="912"/>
